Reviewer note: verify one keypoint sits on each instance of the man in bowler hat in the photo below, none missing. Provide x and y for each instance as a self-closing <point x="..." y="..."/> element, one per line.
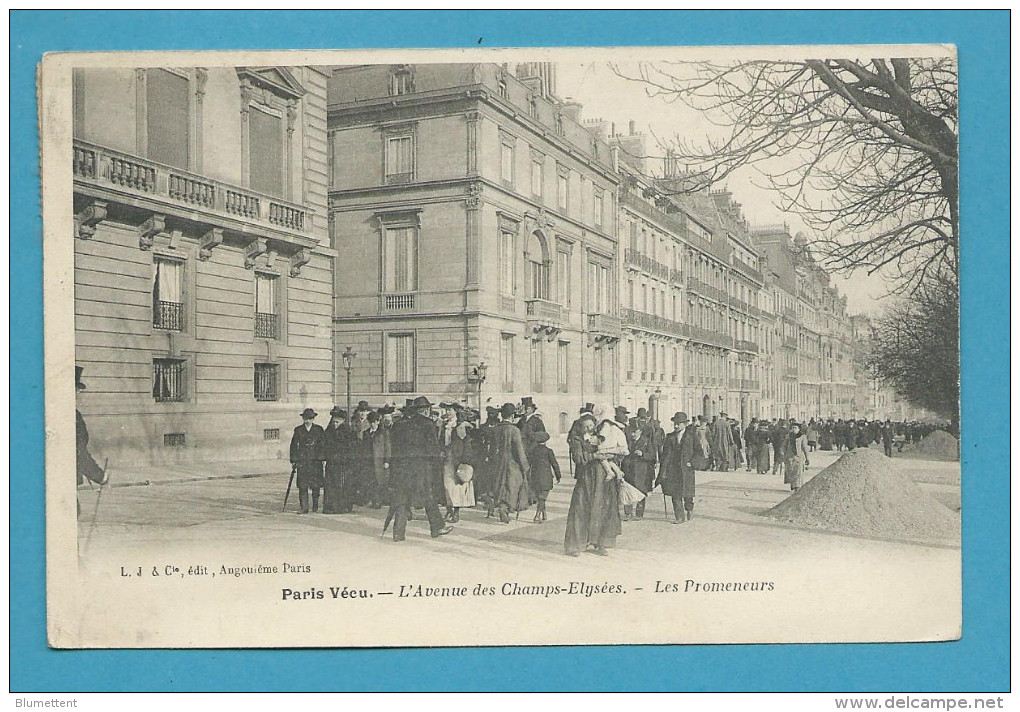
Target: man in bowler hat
<point x="307" y="453"/>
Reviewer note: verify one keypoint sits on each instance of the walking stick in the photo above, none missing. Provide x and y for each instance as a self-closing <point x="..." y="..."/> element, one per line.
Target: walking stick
<point x="95" y="512"/>
<point x="293" y="471"/>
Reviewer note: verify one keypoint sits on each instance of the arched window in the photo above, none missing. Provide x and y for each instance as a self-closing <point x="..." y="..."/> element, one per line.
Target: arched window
<point x="537" y="256"/>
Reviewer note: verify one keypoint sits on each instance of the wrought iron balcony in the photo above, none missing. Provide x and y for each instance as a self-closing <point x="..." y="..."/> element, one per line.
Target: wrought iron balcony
<point x="265" y="325"/>
<point x="121" y="177"/>
<point x="168" y="315"/>
<point x="646" y="263"/>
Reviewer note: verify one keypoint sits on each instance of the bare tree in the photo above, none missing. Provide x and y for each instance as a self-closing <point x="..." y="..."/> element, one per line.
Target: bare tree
<point x="865" y="152"/>
<point x="915" y="348"/>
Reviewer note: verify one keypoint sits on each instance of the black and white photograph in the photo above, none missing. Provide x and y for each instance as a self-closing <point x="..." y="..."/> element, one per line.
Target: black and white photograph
<point x="502" y="347"/>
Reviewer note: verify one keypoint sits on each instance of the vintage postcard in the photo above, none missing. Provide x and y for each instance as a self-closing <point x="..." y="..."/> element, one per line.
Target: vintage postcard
<point x="502" y="347"/>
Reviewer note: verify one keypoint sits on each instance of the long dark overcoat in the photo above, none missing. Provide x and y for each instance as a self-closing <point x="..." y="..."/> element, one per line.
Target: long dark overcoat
<point x="307" y="451"/>
<point x="415" y="458"/>
<point x="676" y="472"/>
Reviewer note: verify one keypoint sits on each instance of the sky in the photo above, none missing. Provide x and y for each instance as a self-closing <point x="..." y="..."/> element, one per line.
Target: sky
<point x="604" y="95"/>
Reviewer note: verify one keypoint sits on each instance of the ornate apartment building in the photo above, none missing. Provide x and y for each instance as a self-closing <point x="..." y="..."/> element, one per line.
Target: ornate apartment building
<point x="815" y="366"/>
<point x="475" y="221"/>
<point x="690" y="284"/>
<point x="203" y="279"/>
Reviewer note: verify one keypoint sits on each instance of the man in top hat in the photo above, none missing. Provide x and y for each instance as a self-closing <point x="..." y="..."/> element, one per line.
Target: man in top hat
<point x="676" y="473"/>
<point x="530" y="424"/>
<point x="415" y="457"/>
<point x="87" y="468"/>
<point x="337" y="449"/>
<point x="307" y="453"/>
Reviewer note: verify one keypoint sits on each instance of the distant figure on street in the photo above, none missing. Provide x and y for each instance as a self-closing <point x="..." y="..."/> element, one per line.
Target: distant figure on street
<point x="307" y="454"/>
<point x="797" y="457"/>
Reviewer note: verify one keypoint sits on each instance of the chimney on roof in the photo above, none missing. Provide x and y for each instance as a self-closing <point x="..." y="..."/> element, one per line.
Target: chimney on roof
<point x="572" y="109"/>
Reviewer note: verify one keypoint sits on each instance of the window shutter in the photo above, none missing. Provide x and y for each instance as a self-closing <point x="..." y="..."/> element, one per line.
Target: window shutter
<point x="167" y="125"/>
<point x="265" y="138"/>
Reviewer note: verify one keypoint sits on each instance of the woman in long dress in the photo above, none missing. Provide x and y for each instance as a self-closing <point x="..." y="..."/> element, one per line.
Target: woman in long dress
<point x="797" y="457"/>
<point x="459" y="461"/>
<point x="593" y="520"/>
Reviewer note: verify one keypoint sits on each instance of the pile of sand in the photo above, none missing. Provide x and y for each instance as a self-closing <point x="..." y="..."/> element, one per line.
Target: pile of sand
<point x="864" y="493"/>
<point x="941" y="444"/>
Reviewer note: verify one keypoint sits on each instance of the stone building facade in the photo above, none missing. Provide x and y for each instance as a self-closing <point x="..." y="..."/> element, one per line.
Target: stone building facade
<point x="203" y="277"/>
<point x="475" y="221"/>
<point x="690" y="285"/>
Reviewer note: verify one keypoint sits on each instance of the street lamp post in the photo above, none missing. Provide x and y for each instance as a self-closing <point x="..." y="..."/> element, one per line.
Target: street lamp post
<point x="477" y="376"/>
<point x="348" y="356"/>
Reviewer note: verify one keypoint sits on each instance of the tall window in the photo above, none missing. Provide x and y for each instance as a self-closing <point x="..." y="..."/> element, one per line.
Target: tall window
<point x="400" y="363"/>
<point x="265" y="306"/>
<point x="598" y="288"/>
<point x="676" y="364"/>
<point x="630" y="360"/>
<point x="399" y="158"/>
<point x="536" y="177"/>
<point x="400" y="260"/>
<point x="644" y="360"/>
<point x="562" y="361"/>
<point x="633" y="236"/>
<point x="630" y="294"/>
<point x="562" y="189"/>
<point x="507" y="163"/>
<point x="168" y="379"/>
<point x="506" y="361"/>
<point x="506" y="263"/>
<point x="598" y="208"/>
<point x="654" y="368"/>
<point x="539" y="269"/>
<point x="600" y="370"/>
<point x="265" y="151"/>
<point x="168" y="295"/>
<point x="167" y="117"/>
<point x="267" y="382"/>
<point x="537" y="367"/>
<point x="502" y="88"/>
<point x="563" y="277"/>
